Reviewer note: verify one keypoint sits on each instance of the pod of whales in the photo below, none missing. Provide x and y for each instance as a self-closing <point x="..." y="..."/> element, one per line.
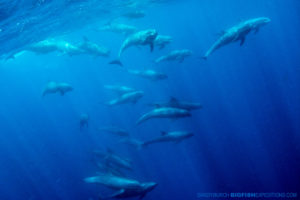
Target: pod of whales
<point x="112" y="166"/>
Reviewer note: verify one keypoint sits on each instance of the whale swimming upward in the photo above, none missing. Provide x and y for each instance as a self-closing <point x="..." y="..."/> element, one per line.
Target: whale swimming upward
<point x="238" y="33"/>
<point x="141" y="38"/>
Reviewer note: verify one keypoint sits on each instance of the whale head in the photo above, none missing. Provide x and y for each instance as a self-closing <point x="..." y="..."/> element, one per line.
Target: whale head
<point x="150" y="35"/>
<point x="187" y="52"/>
<point x="262" y="21"/>
<point x="138" y="94"/>
<point x="184" y="113"/>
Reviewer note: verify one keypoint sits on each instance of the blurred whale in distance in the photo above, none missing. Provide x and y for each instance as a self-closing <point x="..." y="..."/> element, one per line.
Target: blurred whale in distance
<point x="119" y="89"/>
<point x="136" y="14"/>
<point x="162" y="40"/>
<point x="175" y="103"/>
<point x="93" y="49"/>
<point x="114" y="130"/>
<point x="114" y="160"/>
<point x="118" y="28"/>
<point x="53" y="45"/>
<point x="172" y="113"/>
<point x="148" y="74"/>
<point x="131" y="97"/>
<point x="174" y="136"/>
<point x="84" y="120"/>
<point x="54" y="87"/>
<point x="176" y="55"/>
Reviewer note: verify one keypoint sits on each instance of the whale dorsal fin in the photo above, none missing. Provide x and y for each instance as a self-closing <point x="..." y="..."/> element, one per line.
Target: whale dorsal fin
<point x="143" y="195"/>
<point x="85" y="39"/>
<point x="173" y="100"/>
<point x="242" y="41"/>
<point x="151" y="46"/>
<point x="109" y="150"/>
<point x="157" y="105"/>
<point x="163" y="133"/>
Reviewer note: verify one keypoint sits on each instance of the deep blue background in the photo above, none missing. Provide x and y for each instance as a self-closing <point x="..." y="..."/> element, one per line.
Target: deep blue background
<point x="246" y="137"/>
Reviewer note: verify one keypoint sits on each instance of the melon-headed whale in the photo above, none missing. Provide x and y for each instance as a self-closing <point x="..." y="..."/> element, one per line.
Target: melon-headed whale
<point x="141" y="38"/>
<point x="119" y="28"/>
<point x="114" y="160"/>
<point x="54" y="87"/>
<point x="84" y="120"/>
<point x="238" y="33"/>
<point x="126" y="188"/>
<point x="175" y="136"/>
<point x="148" y="74"/>
<point x="114" y="130"/>
<point x="175" y="103"/>
<point x="136" y="14"/>
<point x="119" y="89"/>
<point x="176" y="55"/>
<point x="53" y="45"/>
<point x="93" y="49"/>
<point x="171" y="113"/>
<point x="131" y="97"/>
<point x="162" y="40"/>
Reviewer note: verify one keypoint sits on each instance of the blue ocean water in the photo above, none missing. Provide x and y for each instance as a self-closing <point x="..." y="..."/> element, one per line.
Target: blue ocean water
<point x="246" y="137"/>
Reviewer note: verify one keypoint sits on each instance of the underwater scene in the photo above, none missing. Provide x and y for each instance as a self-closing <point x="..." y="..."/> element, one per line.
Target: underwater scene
<point x="149" y="99"/>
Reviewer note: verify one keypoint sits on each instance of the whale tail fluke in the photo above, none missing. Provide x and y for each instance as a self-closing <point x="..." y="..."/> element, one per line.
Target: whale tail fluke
<point x="44" y="93"/>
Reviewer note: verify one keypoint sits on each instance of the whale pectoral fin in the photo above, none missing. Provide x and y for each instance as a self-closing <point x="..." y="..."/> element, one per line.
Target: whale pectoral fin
<point x="256" y="30"/>
<point x="181" y="60"/>
<point x="151" y="47"/>
<point x="173" y="100"/>
<point x="242" y="41"/>
<point x="116" y="62"/>
<point x="163" y="133"/>
<point x="143" y="195"/>
<point x="114" y="195"/>
<point x="221" y="33"/>
<point x="62" y="93"/>
<point x="118" y="193"/>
